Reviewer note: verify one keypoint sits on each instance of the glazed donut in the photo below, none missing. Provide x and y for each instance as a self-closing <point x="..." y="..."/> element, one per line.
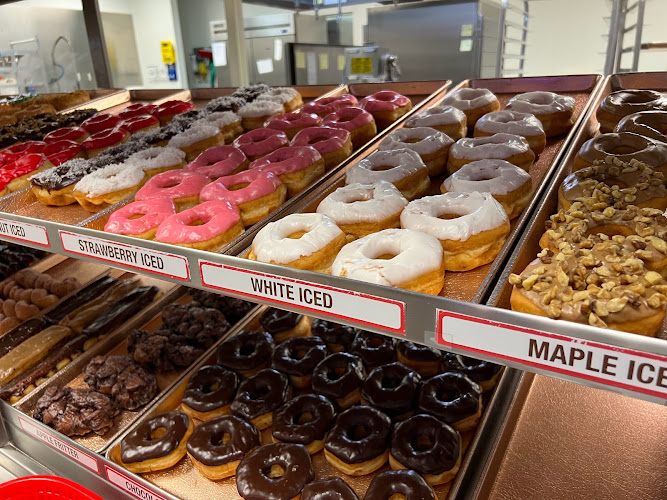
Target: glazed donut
<point x="303" y="241"/>
<point x="108" y="185"/>
<point x="510" y="185"/>
<point x="259" y="395"/>
<point x="137" y="109"/>
<point x="98" y="123"/>
<point x="399" y="483"/>
<point x="475" y="103"/>
<point x="143" y="451"/>
<point x="337" y="337"/>
<point x="76" y="134"/>
<point x="227" y="122"/>
<point x="333" y="488"/>
<point x="401" y="258"/>
<point x="650" y="124"/>
<point x="431" y="145"/>
<point x="220" y="224"/>
<point x="453" y="398"/>
<point x="373" y="349"/>
<point x="402" y="167"/>
<point x="422" y="359"/>
<point x="157" y="160"/>
<point x="362" y="209"/>
<point x="139" y="123"/>
<point x="555" y="111"/>
<point x="283" y="325"/>
<point x="13" y="153"/>
<point x="333" y="144"/>
<point x="357" y="443"/>
<point x="625" y="146"/>
<point x="255" y="114"/>
<point x="304" y="420"/>
<point x="196" y="139"/>
<point x="255" y="481"/>
<point x="167" y="110"/>
<point x="247" y="352"/>
<point x="626" y="102"/>
<point x="216" y="457"/>
<point x="513" y="122"/>
<point x="181" y="186"/>
<point x="140" y="218"/>
<point x="209" y="393"/>
<point x="292" y="123"/>
<point x="297" y="357"/>
<point x="327" y="105"/>
<point x="17" y="175"/>
<point x="62" y="151"/>
<point x="289" y="98"/>
<point x="100" y="141"/>
<point x="297" y="167"/>
<point x="339" y="377"/>
<point x="447" y="119"/>
<point x="392" y="389"/>
<point x="472" y="227"/>
<point x="508" y="147"/>
<point x="358" y="122"/>
<point x="386" y="106"/>
<point x="219" y="161"/>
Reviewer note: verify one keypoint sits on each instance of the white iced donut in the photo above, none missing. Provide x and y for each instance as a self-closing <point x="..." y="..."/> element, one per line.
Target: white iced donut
<point x="472" y="227"/>
<point x="431" y="145"/>
<point x="475" y="103"/>
<point x="108" y="185"/>
<point x="303" y="241"/>
<point x="556" y="112"/>
<point x="513" y="122"/>
<point x="254" y="115"/>
<point x="228" y="122"/>
<point x="447" y="119"/>
<point x="197" y="138"/>
<point x="287" y="97"/>
<point x="400" y="258"/>
<point x="158" y="159"/>
<point x="508" y="147"/>
<point x="402" y="167"/>
<point x="361" y="209"/>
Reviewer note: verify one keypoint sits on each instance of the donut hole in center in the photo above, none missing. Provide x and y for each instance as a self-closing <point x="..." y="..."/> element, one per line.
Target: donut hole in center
<point x="221" y="439"/>
<point x="275" y="472"/>
<point x="390" y="382"/>
<point x="259" y="393"/>
<point x="158" y="433"/>
<point x="382" y="168"/>
<point x="358" y="197"/>
<point x="422" y="443"/>
<point x="344" y="119"/>
<point x="412" y="140"/>
<point x="336" y="373"/>
<point x="239" y="186"/>
<point x="449" y="216"/>
<point x="304" y="418"/>
<point x="136" y="216"/>
<point x="358" y="432"/>
<point x="247" y="350"/>
<point x="622" y="149"/>
<point x="447" y="396"/>
<point x="298" y="354"/>
<point x="375" y="342"/>
<point x="296" y="235"/>
<point x="398" y="496"/>
<point x="209" y="388"/>
<point x="196" y="222"/>
<point x="170" y="184"/>
<point x="315" y="140"/>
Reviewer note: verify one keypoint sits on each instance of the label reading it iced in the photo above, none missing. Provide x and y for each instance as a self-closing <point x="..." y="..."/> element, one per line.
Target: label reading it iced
<point x="127" y="484"/>
<point x="24" y="232"/>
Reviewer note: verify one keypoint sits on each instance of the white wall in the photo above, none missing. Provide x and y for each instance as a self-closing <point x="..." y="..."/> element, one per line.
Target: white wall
<point x="359" y="18"/>
<point x="654" y="31"/>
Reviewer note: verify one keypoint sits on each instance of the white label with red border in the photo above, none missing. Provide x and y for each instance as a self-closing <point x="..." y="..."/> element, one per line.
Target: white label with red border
<point x="67" y="450"/>
<point x="144" y="259"/>
<point x="335" y="302"/>
<point x="616" y="366"/>
<point x="129" y="485"/>
<point x="24" y="232"/>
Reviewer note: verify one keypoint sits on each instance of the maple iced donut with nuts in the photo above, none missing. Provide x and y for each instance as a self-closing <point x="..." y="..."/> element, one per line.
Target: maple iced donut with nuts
<point x="261" y="142"/>
<point x="358" y="122"/>
<point x="219" y="161"/>
<point x="228" y="122"/>
<point x="181" y="186"/>
<point x="297" y="167"/>
<point x="624" y="146"/>
<point x="303" y="241"/>
<point x="108" y="185"/>
<point x="333" y="144"/>
<point x="362" y="209"/>
<point x="650" y="124"/>
<point x="386" y="106"/>
<point x="508" y="147"/>
<point x="140" y="218"/>
<point x="555" y="111"/>
<point x="254" y="115"/>
<point x="510" y="185"/>
<point x="293" y="123"/>
<point x="475" y="103"/>
<point x="431" y="145"/>
<point x="199" y="137"/>
<point x="402" y="167"/>
<point x="157" y="160"/>
<point x="513" y="122"/>
<point x="626" y="102"/>
<point x="399" y="258"/>
<point x="472" y="227"/>
<point x="327" y="105"/>
<point x="288" y="97"/>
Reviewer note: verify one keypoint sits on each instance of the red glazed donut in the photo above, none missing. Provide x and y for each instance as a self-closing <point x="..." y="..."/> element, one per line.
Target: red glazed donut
<point x="386" y="106"/>
<point x="260" y="142"/>
<point x="76" y="134"/>
<point x="16" y="174"/>
<point x="13" y="153"/>
<point x="333" y="144"/>
<point x="167" y="110"/>
<point x="140" y="218"/>
<point x="292" y="123"/>
<point x="103" y="121"/>
<point x="137" y="110"/>
<point x="329" y="105"/>
<point x="140" y="123"/>
<point x="297" y="167"/>
<point x="219" y="161"/>
<point x="62" y="151"/>
<point x="182" y="186"/>
<point x="100" y="141"/>
<point x="358" y="122"/>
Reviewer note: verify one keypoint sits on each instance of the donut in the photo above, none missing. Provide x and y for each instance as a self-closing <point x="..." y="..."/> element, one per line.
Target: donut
<point x="217" y="446"/>
<point x="255" y="193"/>
<point x="402" y="167"/>
<point x="374" y="349"/>
<point x="357" y="443"/>
<point x="302" y="241"/>
<point x="337" y="337"/>
<point x="108" y="185"/>
<point x="140" y="218"/>
<point x="327" y="105"/>
<point x="297" y="357"/>
<point x="98" y="123"/>
<point x="333" y="144"/>
<point x="289" y="98"/>
<point x="422" y="359"/>
<point x="283" y="325"/>
<point x="256" y="478"/>
<point x="76" y="134"/>
<point x="400" y="258"/>
<point x="475" y="103"/>
<point x="17" y="175"/>
<point x="362" y="209"/>
<point x="339" y="377"/>
<point x="453" y="398"/>
<point x="333" y="488"/>
<point x="55" y="186"/>
<point x="259" y="395"/>
<point x="399" y="484"/>
<point x="167" y="110"/>
<point x="181" y="186"/>
<point x="196" y="139"/>
<point x="291" y="123"/>
<point x="139" y="123"/>
<point x="227" y="122"/>
<point x="157" y="160"/>
<point x="254" y="114"/>
<point x="358" y="122"/>
<point x="472" y="227"/>
<point x="247" y="352"/>
<point x="392" y="389"/>
<point x="146" y="450"/>
<point x="650" y="124"/>
<point x="297" y="166"/>
<point x="13" y="153"/>
<point x="209" y="392"/>
<point x="449" y="120"/>
<point x="261" y="142"/>
<point x="555" y="111"/>
<point x="386" y="106"/>
<point x="304" y="420"/>
<point x="431" y="145"/>
<point x="61" y="151"/>
<point x="100" y="141"/>
<point x="513" y="122"/>
<point x="219" y="161"/>
<point x="137" y="109"/>
<point x="482" y="372"/>
<point x="508" y="147"/>
<point x="220" y="224"/>
<point x="625" y="146"/>
<point x="626" y="102"/>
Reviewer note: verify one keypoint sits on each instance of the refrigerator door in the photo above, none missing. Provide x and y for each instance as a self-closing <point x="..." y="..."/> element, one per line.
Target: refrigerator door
<point x="268" y="60"/>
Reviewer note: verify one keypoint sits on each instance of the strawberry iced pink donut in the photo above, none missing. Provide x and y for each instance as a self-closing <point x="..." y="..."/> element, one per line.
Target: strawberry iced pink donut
<point x="76" y="134"/>
<point x="140" y="218"/>
<point x="219" y="161"/>
<point x="292" y="123"/>
<point x="296" y="166"/>
<point x="333" y="144"/>
<point x="260" y="142"/>
<point x="103" y="121"/>
<point x="181" y="186"/>
<point x="386" y="106"/>
<point x="358" y="122"/>
<point x="256" y="193"/>
<point x="61" y="151"/>
<point x="220" y="224"/>
<point x="328" y="105"/>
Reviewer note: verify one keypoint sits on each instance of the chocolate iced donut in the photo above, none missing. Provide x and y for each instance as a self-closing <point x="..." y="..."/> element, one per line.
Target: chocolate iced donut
<point x="422" y="359"/>
<point x="246" y="352"/>
<point x="339" y="377"/>
<point x="406" y="483"/>
<point x="304" y="420"/>
<point x="453" y="398"/>
<point x="625" y="102"/>
<point x="209" y="392"/>
<point x="338" y="337"/>
<point x="215" y="457"/>
<point x="483" y="372"/>
<point x="333" y="488"/>
<point x="298" y="357"/>
<point x="259" y="395"/>
<point x="391" y="388"/>
<point x="254" y="478"/>
<point x="374" y="349"/>
<point x="651" y="124"/>
<point x="284" y="324"/>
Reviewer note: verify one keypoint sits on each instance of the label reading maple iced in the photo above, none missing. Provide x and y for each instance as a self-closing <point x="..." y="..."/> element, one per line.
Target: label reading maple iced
<point x="602" y="363"/>
<point x="144" y="259"/>
<point x="338" y="303"/>
<point x="23" y="231"/>
<point x="62" y="447"/>
<point x="130" y="486"/>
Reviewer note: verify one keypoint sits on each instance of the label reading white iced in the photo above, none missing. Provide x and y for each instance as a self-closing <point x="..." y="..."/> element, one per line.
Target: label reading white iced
<point x="23" y="231"/>
<point x="335" y="302"/>
<point x="67" y="450"/>
<point x="144" y="259"/>
<point x="610" y="365"/>
<point x="127" y="484"/>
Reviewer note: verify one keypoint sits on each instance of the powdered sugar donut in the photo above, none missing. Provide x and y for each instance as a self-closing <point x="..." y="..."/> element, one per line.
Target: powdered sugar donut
<point x="292" y="123"/>
<point x="447" y="119"/>
<point x="297" y="166"/>
<point x="289" y="98"/>
<point x="431" y="145"/>
<point x="261" y="142"/>
<point x="181" y="186"/>
<point x="358" y="122"/>
<point x="140" y="218"/>
<point x="553" y="110"/>
<point x="328" y="105"/>
<point x="219" y="161"/>
<point x="509" y="147"/>
<point x="513" y="122"/>
<point x="108" y="185"/>
<point x="196" y="139"/>
<point x="333" y="144"/>
<point x="228" y="122"/>
<point x="254" y="115"/>
<point x="156" y="160"/>
<point x="475" y="103"/>
<point x="386" y="106"/>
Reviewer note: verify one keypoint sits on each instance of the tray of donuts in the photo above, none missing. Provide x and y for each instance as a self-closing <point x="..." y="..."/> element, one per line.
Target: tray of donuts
<point x="144" y="96"/>
<point x="288" y="403"/>
<point x="596" y="251"/>
<point x="389" y="203"/>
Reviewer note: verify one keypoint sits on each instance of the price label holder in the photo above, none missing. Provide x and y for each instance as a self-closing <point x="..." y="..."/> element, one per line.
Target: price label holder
<point x="23" y="231"/>
<point x="130" y="485"/>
